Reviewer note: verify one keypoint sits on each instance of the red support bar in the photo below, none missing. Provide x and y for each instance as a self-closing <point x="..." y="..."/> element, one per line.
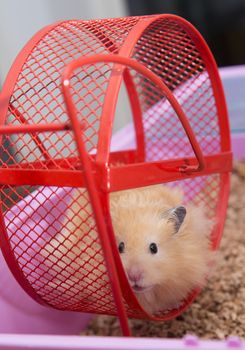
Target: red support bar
<point x="35" y="128"/>
<point x="122" y="177"/>
<point x="95" y="199"/>
<point x="130" y="176"/>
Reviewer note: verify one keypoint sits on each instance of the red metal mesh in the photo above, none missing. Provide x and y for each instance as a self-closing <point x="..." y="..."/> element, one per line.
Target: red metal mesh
<point x="165" y="138"/>
<point x="167" y="49"/>
<point x="37" y="98"/>
<point x="67" y="270"/>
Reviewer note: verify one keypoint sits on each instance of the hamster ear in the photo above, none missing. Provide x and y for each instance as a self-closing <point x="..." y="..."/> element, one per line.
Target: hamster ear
<point x="177" y="216"/>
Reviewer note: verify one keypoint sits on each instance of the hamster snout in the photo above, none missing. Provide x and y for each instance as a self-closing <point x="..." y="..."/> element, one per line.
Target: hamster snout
<point x="135" y="276"/>
<point x="136" y="280"/>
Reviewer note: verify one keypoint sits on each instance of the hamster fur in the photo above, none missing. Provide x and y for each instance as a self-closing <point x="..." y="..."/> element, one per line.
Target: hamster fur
<point x="140" y="217"/>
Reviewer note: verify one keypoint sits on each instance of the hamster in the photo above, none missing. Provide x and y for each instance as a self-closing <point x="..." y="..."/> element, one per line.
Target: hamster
<point x="164" y="245"/>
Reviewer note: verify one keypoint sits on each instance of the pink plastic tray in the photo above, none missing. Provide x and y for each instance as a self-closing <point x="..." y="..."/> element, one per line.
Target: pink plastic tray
<point x="20" y="314"/>
<point x="17" y="342"/>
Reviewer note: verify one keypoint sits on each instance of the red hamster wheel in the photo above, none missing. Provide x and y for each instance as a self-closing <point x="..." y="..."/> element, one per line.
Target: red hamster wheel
<point x="57" y="115"/>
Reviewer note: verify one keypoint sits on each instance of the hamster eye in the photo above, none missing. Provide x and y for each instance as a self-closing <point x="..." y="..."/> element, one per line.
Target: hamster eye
<point x="153" y="248"/>
<point x="121" y="247"/>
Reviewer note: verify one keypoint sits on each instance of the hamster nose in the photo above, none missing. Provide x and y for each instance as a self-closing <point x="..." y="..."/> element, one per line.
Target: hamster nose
<point x="134" y="275"/>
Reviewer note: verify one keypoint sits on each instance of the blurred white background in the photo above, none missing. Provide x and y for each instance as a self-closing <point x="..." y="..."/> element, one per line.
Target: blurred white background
<point x="21" y="19"/>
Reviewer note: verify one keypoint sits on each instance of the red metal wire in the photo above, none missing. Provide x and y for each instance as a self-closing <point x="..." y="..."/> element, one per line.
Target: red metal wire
<point x="34" y="128"/>
<point x="94" y="195"/>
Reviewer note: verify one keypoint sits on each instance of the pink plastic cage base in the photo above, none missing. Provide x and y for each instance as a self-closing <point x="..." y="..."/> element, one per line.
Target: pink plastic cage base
<point x="16" y="342"/>
<point x="19" y="309"/>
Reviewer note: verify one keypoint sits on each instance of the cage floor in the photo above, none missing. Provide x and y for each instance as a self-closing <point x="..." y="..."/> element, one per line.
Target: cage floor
<point x="219" y="311"/>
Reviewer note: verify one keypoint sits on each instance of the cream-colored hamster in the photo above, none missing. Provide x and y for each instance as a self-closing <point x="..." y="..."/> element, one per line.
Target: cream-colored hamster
<point x="164" y="245"/>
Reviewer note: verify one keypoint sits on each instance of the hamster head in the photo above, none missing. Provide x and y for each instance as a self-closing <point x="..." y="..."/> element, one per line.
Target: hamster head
<point x="145" y="225"/>
<point x="157" y="242"/>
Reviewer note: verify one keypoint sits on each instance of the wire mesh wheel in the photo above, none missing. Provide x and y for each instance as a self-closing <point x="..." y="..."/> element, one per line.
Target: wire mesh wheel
<point x="57" y="113"/>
